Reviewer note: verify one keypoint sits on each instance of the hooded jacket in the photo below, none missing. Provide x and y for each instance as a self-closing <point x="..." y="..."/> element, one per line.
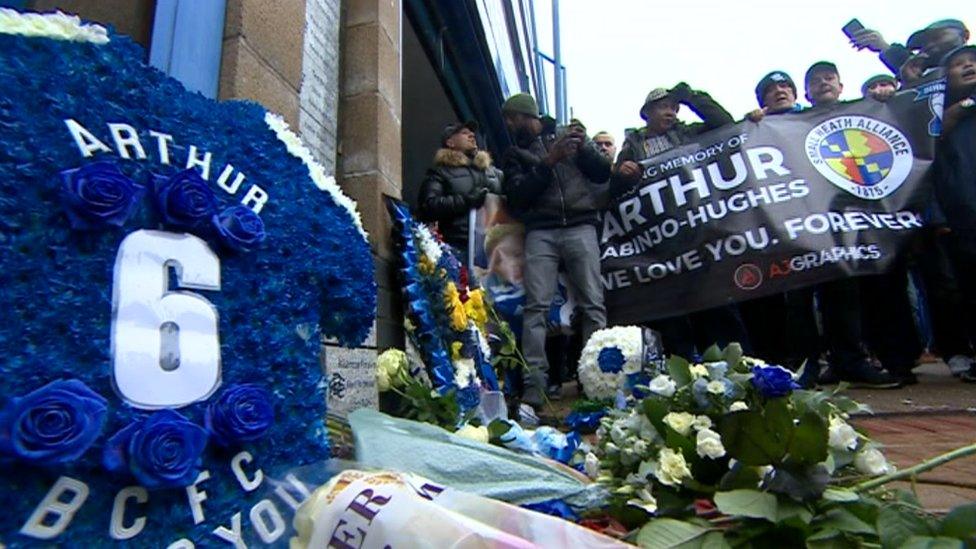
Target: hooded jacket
<point x="448" y="190"/>
<point x="955" y="181"/>
<point x="568" y="194"/>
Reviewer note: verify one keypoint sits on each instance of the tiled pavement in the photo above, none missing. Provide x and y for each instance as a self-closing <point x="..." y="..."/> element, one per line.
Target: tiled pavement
<point x="909" y="439"/>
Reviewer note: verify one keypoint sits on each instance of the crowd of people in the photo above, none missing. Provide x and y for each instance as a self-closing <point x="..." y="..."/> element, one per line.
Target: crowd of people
<point x="557" y="179"/>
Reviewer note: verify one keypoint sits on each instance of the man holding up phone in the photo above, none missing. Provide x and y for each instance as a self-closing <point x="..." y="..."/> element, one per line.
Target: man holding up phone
<point x="554" y="182"/>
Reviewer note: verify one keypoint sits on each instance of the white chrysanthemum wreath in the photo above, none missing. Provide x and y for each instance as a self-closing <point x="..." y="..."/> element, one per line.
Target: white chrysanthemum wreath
<point x="610" y="355"/>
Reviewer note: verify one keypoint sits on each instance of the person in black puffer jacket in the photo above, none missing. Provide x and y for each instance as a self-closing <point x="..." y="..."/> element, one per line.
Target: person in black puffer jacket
<point x="459" y="181"/>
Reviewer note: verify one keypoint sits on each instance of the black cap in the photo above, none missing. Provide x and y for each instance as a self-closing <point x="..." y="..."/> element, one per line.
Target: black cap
<point x="948" y="57"/>
<point x="918" y="38"/>
<point x="819" y="66"/>
<point x="774" y="77"/>
<point x="454" y="127"/>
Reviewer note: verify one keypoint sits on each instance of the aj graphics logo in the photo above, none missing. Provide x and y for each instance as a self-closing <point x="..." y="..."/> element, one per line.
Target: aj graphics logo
<point x="864" y="156"/>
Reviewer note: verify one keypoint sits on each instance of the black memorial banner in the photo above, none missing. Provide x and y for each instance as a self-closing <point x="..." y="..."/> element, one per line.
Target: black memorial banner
<point x="754" y="209"/>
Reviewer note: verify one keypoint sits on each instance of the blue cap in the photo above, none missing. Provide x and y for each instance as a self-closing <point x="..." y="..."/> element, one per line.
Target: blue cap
<point x="774" y="77"/>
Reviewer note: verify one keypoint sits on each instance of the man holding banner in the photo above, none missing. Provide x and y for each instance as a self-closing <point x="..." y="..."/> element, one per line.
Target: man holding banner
<point x="682" y="335"/>
<point x="752" y="210"/>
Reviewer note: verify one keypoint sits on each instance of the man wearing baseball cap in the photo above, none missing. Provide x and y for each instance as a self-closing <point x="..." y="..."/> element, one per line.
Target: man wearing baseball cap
<point x="554" y="186"/>
<point x="880" y="87"/>
<point x="934" y="41"/>
<point x="662" y="132"/>
<point x="460" y="179"/>
<point x="847" y="304"/>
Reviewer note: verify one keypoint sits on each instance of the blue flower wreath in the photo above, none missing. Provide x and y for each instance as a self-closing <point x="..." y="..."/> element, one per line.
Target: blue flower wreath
<point x="419" y="311"/>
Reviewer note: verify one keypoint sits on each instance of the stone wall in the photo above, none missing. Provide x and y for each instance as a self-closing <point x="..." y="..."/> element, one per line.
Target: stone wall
<point x="369" y="132"/>
<point x="319" y="94"/>
<point x="261" y="57"/>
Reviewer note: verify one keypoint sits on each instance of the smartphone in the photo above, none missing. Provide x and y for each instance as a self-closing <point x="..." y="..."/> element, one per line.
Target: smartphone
<point x="852" y="27"/>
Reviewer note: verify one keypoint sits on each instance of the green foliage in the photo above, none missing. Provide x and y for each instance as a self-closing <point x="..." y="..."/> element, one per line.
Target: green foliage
<point x="747" y="503"/>
<point x="960" y="523"/>
<point x="665" y="533"/>
<point x="896" y="524"/>
<point x="757" y="437"/>
<point x="680" y="370"/>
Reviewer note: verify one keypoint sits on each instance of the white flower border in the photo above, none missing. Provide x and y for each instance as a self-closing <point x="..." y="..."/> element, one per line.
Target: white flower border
<point x="56" y="25"/>
<point x="315" y="170"/>
<point x="601" y="385"/>
<point x="428" y="244"/>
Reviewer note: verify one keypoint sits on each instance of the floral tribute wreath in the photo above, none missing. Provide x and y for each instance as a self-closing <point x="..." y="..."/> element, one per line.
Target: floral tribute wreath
<point x="107" y="166"/>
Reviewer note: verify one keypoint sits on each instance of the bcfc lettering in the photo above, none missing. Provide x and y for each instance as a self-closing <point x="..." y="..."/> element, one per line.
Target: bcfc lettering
<point x="829" y="256"/>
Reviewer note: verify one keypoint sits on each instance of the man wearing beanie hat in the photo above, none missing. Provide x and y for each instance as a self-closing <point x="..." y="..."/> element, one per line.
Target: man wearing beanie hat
<point x="776" y="94"/>
<point x="554" y="186"/>
<point x="880" y="87"/>
<point x="955" y="176"/>
<point x="460" y="179"/>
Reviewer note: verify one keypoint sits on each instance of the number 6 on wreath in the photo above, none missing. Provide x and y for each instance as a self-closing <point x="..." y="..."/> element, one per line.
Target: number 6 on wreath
<point x="165" y="347"/>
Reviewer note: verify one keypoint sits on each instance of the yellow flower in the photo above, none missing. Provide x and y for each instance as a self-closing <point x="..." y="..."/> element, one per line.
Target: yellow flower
<point x="475" y="309"/>
<point x="390" y="366"/>
<point x="469" y="431"/>
<point x="425" y="265"/>
<point x="456" y="350"/>
<point x="459" y="321"/>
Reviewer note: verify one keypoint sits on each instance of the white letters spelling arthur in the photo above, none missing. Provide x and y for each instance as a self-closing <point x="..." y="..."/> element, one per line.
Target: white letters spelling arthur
<point x="127" y="144"/>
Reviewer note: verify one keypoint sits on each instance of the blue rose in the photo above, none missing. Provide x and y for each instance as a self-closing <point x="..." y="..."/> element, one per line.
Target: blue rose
<point x="773" y="381"/>
<point x="184" y="199"/>
<point x="161" y="451"/>
<point x="469" y="397"/>
<point x="239" y="228"/>
<point x="610" y="360"/>
<point x="240" y="414"/>
<point x="97" y="196"/>
<point x="52" y="425"/>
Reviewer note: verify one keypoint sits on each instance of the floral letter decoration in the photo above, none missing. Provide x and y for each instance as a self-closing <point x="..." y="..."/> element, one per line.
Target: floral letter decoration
<point x="184" y="199"/>
<point x="241" y="413"/>
<point x="161" y="451"/>
<point x="53" y="425"/>
<point x="239" y="228"/>
<point x="98" y="196"/>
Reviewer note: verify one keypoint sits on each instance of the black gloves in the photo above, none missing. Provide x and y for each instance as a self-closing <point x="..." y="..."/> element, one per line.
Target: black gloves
<point x="476" y="197"/>
<point x="681" y="92"/>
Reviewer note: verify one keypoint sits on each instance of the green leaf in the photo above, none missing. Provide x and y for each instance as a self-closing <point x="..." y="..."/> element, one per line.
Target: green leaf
<point x="839" y="494"/>
<point x="758" y="438"/>
<point x="831" y="539"/>
<point x="896" y="525"/>
<point x="496" y="429"/>
<point x="809" y="443"/>
<point x="732" y="354"/>
<point x="740" y="476"/>
<point x="747" y="503"/>
<point x="843" y="520"/>
<point x="711" y="540"/>
<point x="680" y="370"/>
<point x="792" y="513"/>
<point x="927" y="542"/>
<point x="665" y="533"/>
<point x="712" y="354"/>
<point x="960" y="522"/>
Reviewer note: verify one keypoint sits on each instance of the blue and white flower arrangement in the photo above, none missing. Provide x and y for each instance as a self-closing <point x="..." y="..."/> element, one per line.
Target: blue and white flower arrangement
<point x="608" y="358"/>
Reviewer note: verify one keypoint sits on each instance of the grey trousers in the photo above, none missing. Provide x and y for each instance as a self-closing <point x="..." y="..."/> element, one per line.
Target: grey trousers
<point x="579" y="251"/>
